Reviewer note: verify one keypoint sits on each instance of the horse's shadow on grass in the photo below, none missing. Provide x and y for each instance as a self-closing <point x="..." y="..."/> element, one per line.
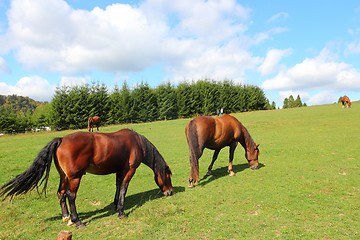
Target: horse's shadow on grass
<point x="132" y="202"/>
<point x="223" y="171"/>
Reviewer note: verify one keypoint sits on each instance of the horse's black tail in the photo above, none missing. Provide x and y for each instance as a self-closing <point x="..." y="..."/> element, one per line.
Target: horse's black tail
<point x="30" y="178"/>
<point x="194" y="149"/>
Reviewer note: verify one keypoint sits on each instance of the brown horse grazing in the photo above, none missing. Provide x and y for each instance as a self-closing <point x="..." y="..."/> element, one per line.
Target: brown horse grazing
<point x="345" y="101"/>
<point x="94" y="121"/>
<point x="215" y="133"/>
<point x="75" y="154"/>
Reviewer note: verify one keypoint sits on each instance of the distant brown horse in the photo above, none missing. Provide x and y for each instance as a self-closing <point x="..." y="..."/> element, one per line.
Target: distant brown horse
<point x="345" y="101"/>
<point x="215" y="133"/>
<point x="94" y="121"/>
<point x="75" y="154"/>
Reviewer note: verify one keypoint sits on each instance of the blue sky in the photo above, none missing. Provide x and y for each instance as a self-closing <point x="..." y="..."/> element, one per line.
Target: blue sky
<point x="310" y="48"/>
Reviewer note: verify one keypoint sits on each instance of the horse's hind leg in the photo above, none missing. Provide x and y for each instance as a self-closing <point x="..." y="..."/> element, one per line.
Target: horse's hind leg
<point x="117" y="192"/>
<point x="63" y="186"/>
<point x="71" y="194"/>
<point x="216" y="153"/>
<point x="194" y="170"/>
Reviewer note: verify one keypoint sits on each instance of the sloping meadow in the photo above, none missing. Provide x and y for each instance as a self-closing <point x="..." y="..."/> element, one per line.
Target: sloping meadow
<point x="307" y="187"/>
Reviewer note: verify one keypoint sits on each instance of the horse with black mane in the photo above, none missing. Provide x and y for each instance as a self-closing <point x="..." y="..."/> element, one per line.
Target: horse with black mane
<point x="94" y="121"/>
<point x="75" y="154"/>
<point x="215" y="133"/>
<point x="345" y="101"/>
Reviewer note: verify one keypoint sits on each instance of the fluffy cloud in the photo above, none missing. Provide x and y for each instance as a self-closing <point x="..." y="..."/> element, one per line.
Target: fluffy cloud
<point x="32" y="86"/>
<point x="316" y="73"/>
<point x="323" y="97"/>
<point x="74" y="81"/>
<point x="272" y="59"/>
<point x="52" y="36"/>
<point x="3" y="66"/>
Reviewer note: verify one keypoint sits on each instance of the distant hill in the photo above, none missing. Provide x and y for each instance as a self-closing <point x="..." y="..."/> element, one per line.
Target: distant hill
<point x="16" y="104"/>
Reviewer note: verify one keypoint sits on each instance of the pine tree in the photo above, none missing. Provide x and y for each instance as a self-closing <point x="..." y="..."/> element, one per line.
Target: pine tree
<point x="298" y="102"/>
<point x="166" y="100"/>
<point x="183" y="99"/>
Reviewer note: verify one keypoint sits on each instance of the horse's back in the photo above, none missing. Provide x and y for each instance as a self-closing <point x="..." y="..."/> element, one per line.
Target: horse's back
<point x="96" y="119"/>
<point x="214" y="132"/>
<point x="99" y="153"/>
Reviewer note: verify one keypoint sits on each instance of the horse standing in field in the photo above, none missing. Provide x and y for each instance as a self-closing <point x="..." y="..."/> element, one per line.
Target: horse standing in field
<point x="215" y="133"/>
<point x="345" y="101"/>
<point x="75" y="154"/>
<point x="94" y="121"/>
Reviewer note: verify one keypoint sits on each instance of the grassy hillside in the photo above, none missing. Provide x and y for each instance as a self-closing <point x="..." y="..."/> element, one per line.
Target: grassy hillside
<point x="308" y="186"/>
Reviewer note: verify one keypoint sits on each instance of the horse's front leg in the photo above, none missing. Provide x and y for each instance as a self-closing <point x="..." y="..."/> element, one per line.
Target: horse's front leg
<point x="122" y="191"/>
<point x="71" y="193"/>
<point x="231" y="157"/>
<point x="215" y="155"/>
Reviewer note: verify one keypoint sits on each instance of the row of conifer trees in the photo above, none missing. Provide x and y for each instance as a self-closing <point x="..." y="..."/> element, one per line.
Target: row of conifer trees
<point x="71" y="106"/>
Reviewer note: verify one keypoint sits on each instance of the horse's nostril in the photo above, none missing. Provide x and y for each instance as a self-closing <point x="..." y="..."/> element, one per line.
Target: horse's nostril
<point x="254" y="167"/>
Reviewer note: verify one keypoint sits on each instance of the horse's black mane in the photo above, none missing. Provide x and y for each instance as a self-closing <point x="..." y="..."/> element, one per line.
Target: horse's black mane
<point x="153" y="159"/>
<point x="247" y="141"/>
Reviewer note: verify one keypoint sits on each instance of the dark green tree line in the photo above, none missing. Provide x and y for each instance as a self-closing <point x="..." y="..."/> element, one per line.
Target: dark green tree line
<point x="70" y="107"/>
<point x="293" y="103"/>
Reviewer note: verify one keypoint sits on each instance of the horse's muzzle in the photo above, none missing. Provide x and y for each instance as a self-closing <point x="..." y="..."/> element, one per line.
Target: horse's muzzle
<point x="168" y="192"/>
<point x="254" y="166"/>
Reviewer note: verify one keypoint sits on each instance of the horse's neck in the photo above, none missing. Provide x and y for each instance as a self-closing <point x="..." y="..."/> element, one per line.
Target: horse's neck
<point x="149" y="154"/>
<point x="245" y="139"/>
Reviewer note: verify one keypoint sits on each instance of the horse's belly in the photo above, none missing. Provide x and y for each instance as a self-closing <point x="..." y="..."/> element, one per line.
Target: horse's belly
<point x="101" y="170"/>
<point x="216" y="146"/>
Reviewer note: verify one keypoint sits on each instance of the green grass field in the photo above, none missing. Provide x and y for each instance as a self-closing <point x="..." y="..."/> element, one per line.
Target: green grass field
<point x="308" y="186"/>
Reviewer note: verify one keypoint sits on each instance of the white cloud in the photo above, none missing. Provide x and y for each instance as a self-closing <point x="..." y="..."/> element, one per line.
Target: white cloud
<point x="272" y="59"/>
<point x="323" y="97"/>
<point x="228" y="61"/>
<point x="32" y="86"/>
<point x="353" y="47"/>
<point x="3" y="66"/>
<point x="321" y="72"/>
<point x="263" y="36"/>
<point x="52" y="36"/>
<point x="74" y="81"/>
<point x="277" y="17"/>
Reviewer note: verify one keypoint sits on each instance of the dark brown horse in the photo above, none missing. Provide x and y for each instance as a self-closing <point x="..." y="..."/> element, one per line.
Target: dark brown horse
<point x="345" y="101"/>
<point x="94" y="121"/>
<point x="120" y="152"/>
<point x="216" y="133"/>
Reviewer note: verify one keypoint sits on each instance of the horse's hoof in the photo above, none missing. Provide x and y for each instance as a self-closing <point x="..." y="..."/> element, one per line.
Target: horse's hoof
<point x="66" y="219"/>
<point x="80" y="226"/>
<point x="122" y="216"/>
<point x="191" y="185"/>
<point x="70" y="223"/>
<point x="231" y="173"/>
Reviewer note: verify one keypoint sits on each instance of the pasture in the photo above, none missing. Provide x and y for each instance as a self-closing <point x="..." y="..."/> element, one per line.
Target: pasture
<point x="307" y="187"/>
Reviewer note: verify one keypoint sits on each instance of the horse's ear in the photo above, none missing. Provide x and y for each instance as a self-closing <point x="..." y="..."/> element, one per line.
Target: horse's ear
<point x="257" y="145"/>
